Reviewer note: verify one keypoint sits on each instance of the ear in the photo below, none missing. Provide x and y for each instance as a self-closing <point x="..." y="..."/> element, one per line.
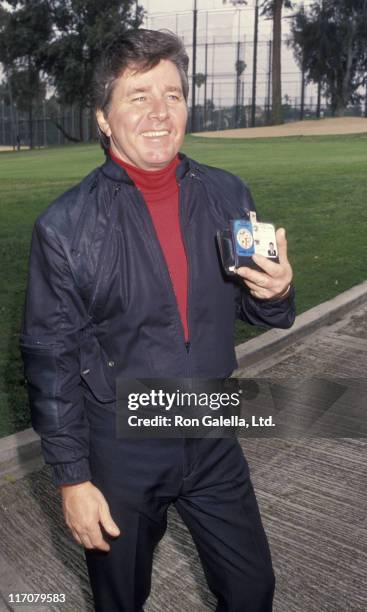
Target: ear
<point x="103" y="123"/>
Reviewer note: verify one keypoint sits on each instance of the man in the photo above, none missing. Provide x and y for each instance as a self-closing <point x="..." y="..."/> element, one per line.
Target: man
<point x="271" y="250"/>
<point x="125" y="280"/>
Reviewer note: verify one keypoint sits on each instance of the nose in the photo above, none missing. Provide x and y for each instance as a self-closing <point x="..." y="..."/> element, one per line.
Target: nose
<point x="158" y="109"/>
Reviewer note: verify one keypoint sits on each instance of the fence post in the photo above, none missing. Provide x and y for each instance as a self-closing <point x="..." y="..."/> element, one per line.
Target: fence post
<point x="237" y="100"/>
<point x="193" y="102"/>
<point x="213" y="53"/>
<point x="3" y="122"/>
<point x="44" y="124"/>
<point x="318" y="108"/>
<point x="254" y="64"/>
<point x="269" y="81"/>
<point x="302" y="111"/>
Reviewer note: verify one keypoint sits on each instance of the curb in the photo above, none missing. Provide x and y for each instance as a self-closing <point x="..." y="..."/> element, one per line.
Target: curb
<point x="22" y="447"/>
<point x="329" y="312"/>
<point x="17" y="450"/>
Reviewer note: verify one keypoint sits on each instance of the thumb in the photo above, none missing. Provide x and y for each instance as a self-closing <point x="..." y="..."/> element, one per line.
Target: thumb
<point x="282" y="244"/>
<point x="106" y="520"/>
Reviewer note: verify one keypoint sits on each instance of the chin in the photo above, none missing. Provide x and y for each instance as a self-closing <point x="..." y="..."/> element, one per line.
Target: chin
<point x="159" y="160"/>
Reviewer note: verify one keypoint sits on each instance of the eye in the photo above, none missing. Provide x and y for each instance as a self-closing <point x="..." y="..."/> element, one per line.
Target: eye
<point x="139" y="99"/>
<point x="173" y="97"/>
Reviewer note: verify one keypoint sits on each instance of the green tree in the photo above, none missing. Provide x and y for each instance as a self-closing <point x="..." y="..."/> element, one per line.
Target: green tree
<point x="83" y="28"/>
<point x="199" y="80"/>
<point x="273" y="9"/>
<point x="330" y="39"/>
<point x="240" y="67"/>
<point x="25" y="31"/>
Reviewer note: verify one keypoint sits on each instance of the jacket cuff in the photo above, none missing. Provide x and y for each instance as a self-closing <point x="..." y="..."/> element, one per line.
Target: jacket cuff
<point x="71" y="473"/>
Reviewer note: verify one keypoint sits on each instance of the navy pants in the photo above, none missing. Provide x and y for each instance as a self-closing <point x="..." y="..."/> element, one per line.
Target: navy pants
<point x="208" y="482"/>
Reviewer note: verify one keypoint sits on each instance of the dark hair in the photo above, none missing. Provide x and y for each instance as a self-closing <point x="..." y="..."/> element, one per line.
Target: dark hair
<point x="140" y="49"/>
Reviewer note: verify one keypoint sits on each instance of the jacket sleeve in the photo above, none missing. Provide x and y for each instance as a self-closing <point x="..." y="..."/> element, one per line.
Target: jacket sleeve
<point x="54" y="315"/>
<point x="279" y="313"/>
<point x="266" y="313"/>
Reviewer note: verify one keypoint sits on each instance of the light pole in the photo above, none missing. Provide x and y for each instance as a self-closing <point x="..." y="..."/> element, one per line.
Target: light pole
<point x="193" y="102"/>
<point x="238" y="4"/>
<point x="254" y="65"/>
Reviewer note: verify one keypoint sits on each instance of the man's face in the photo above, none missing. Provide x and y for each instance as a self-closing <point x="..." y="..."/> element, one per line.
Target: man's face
<point x="147" y="117"/>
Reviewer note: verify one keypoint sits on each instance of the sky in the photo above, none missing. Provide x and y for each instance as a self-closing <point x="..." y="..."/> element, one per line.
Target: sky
<point x="220" y="23"/>
<point x="162" y="6"/>
<point x="157" y="8"/>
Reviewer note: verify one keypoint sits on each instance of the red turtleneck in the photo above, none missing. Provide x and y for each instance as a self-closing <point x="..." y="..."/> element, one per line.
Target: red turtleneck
<point x="160" y="191"/>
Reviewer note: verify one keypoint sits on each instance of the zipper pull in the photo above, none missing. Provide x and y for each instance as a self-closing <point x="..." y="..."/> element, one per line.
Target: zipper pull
<point x="187" y="346"/>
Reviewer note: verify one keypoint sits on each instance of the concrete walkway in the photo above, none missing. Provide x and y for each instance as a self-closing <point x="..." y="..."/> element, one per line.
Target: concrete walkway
<point x="312" y="494"/>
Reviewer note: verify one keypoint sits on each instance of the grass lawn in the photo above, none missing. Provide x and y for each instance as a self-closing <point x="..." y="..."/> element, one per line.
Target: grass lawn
<point x="313" y="186"/>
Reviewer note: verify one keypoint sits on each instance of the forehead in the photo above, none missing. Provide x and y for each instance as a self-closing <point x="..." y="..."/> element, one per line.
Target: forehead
<point x="164" y="74"/>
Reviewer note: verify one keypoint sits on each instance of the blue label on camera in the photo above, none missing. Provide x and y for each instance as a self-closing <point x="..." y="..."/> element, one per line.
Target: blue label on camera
<point x="243" y="237"/>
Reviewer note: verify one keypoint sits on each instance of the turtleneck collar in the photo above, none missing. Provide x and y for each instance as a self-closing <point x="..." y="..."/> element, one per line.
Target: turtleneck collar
<point x="156" y="183"/>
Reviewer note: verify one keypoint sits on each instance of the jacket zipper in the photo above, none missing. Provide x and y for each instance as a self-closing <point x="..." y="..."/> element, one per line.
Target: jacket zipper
<point x="187" y="342"/>
<point x="192" y="175"/>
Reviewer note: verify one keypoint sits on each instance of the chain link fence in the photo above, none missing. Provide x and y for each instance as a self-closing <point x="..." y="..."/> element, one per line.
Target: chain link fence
<point x="229" y="91"/>
<point x="45" y="128"/>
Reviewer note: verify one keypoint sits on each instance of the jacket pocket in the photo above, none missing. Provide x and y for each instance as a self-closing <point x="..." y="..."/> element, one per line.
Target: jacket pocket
<point x="40" y="369"/>
<point x="95" y="370"/>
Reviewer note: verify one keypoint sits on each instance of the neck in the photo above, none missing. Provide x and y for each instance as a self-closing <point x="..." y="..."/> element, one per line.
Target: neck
<point x="158" y="182"/>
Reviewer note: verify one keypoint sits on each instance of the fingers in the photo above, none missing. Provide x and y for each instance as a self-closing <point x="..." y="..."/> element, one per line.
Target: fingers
<point x="86" y="514"/>
<point x="254" y="276"/>
<point x="270" y="267"/>
<point x="264" y="286"/>
<point x="259" y="292"/>
<point x="282" y="245"/>
<point x="76" y="537"/>
<point x="96" y="539"/>
<point x="106" y="520"/>
<point x="91" y="539"/>
<point x="90" y="536"/>
<point x="86" y="542"/>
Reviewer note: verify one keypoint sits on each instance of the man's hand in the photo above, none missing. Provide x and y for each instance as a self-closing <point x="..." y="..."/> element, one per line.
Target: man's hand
<point x="85" y="511"/>
<point x="275" y="280"/>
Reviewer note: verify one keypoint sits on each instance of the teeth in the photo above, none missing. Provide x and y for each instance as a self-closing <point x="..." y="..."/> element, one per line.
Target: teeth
<point x="155" y="134"/>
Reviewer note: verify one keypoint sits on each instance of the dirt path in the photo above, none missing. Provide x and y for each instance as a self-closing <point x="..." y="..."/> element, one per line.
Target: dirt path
<point x="340" y="125"/>
<point x="7" y="148"/>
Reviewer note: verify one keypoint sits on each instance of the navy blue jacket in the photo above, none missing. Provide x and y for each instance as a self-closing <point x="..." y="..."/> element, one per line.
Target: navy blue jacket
<point x="100" y="301"/>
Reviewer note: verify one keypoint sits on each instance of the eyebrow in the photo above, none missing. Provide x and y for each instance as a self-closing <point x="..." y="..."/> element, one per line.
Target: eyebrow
<point x="173" y="88"/>
<point x="143" y="89"/>
<point x="137" y="90"/>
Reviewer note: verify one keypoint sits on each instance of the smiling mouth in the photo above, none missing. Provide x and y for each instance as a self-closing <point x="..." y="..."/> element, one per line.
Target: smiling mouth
<point x="156" y="134"/>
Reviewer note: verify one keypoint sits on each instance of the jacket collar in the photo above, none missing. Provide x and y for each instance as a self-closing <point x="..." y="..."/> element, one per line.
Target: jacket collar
<point x="115" y="172"/>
